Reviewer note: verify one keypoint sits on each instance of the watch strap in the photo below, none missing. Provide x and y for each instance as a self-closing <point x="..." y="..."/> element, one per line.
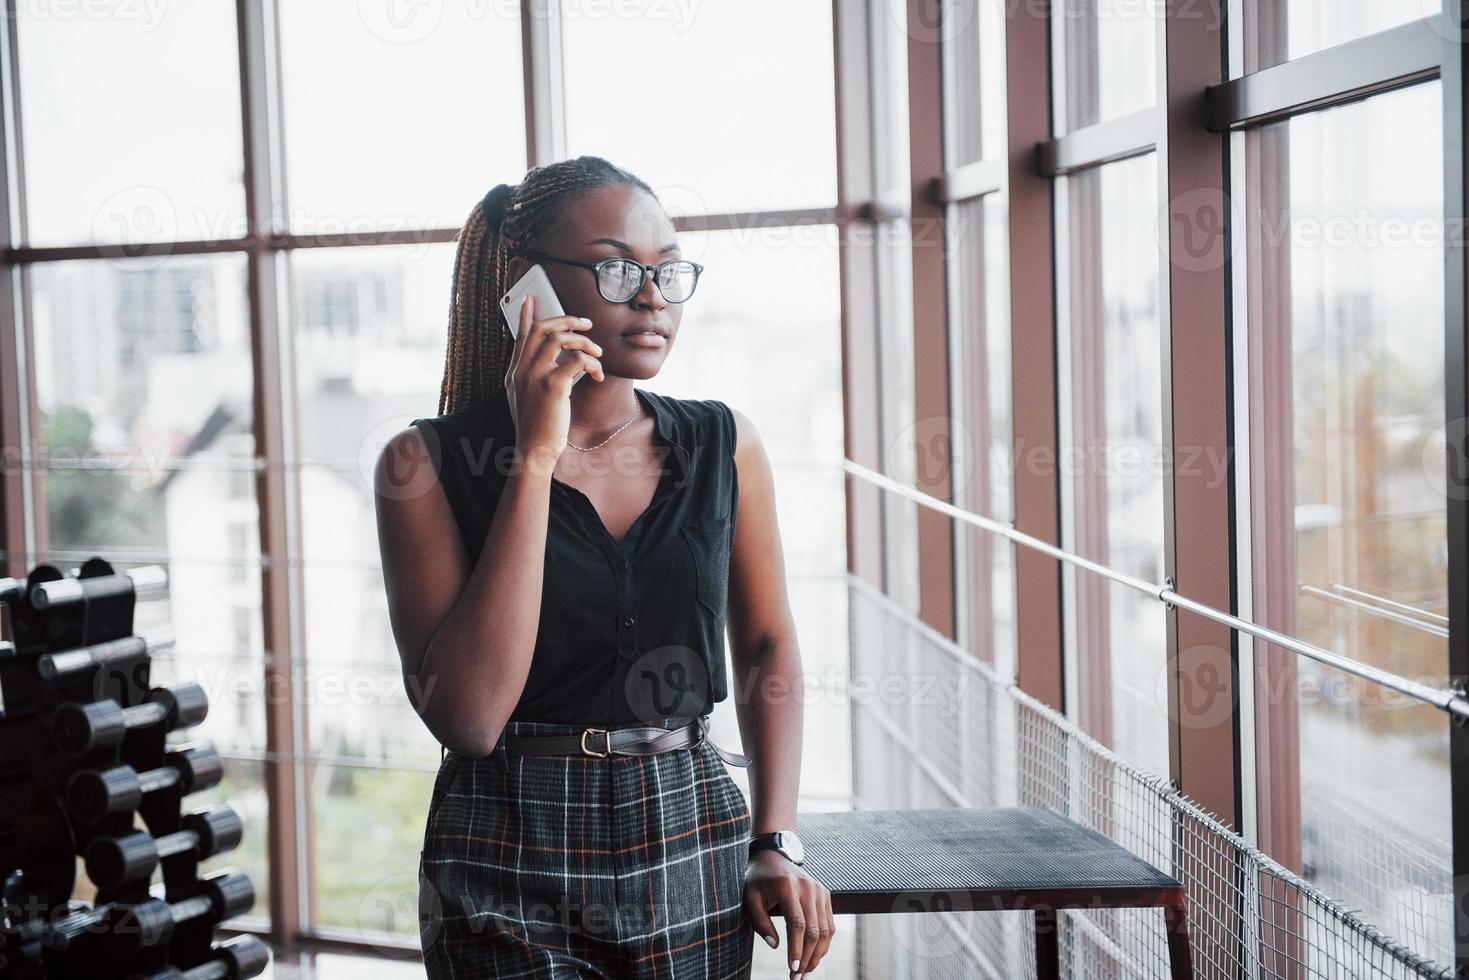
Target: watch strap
<point x="769" y="841"/>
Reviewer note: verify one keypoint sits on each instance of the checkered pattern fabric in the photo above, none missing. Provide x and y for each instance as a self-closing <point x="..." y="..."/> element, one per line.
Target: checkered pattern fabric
<point x="572" y="866"/>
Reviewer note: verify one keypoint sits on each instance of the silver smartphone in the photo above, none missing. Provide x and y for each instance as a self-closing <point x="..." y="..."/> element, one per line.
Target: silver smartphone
<point x="534" y="283"/>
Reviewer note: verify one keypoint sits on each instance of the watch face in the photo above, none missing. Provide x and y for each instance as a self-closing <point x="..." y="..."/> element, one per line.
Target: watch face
<point x="787" y="841"/>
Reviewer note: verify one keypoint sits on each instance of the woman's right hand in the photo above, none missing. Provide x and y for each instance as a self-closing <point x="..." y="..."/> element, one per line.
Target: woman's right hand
<point x="539" y="389"/>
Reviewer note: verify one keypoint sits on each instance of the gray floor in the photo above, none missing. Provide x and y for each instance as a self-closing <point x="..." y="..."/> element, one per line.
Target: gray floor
<point x="838" y="965"/>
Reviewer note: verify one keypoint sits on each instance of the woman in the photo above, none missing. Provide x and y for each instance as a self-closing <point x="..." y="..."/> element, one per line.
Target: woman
<point x="561" y="617"/>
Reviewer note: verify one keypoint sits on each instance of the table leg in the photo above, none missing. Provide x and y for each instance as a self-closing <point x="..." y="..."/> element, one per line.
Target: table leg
<point x="1047" y="945"/>
<point x="1180" y="956"/>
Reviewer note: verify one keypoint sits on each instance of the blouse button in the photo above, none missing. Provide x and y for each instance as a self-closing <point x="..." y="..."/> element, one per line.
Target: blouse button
<point x="622" y="564"/>
<point x="628" y="621"/>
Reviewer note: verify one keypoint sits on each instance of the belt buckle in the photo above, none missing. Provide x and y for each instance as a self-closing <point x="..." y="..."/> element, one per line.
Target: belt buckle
<point x="596" y="731"/>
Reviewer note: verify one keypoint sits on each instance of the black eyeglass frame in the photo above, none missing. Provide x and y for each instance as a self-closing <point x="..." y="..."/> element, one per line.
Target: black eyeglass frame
<point x="596" y="268"/>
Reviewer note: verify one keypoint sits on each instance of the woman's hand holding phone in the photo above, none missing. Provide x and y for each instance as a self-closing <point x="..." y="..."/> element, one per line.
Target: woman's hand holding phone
<point x="539" y="389"/>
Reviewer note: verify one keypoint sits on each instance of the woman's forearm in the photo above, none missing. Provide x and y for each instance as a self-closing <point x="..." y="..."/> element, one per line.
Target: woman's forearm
<point x="771" y="723"/>
<point x="475" y="667"/>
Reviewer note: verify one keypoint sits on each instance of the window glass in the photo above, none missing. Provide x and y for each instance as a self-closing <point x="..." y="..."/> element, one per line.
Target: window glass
<point x="725" y="106"/>
<point x="1351" y="544"/>
<point x="116" y="150"/>
<point x="1111" y="463"/>
<point x="1271" y="33"/>
<point x="1109" y="49"/>
<point x="399" y="116"/>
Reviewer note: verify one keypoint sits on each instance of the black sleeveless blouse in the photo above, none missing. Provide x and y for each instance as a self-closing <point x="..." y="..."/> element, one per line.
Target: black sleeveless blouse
<point x="631" y="632"/>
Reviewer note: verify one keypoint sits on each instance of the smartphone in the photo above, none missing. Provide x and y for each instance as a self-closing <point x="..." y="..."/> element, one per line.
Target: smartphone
<point x="534" y="283"/>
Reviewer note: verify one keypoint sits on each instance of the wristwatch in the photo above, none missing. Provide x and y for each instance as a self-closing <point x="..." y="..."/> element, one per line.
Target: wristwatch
<point x="784" y="841"/>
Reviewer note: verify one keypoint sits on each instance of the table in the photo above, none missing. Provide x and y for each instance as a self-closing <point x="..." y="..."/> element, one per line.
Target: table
<point x="956" y="859"/>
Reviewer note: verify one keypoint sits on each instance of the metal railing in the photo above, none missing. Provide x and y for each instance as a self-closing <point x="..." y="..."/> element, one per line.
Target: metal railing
<point x="1452" y="701"/>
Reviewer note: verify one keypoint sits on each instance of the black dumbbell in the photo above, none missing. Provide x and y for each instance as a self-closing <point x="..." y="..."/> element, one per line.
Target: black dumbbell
<point x="130" y="928"/>
<point x="142" y="583"/>
<point x="112" y="861"/>
<point x="64" y="663"/>
<point x="61" y="934"/>
<point x="93" y="794"/>
<point x="239" y="959"/>
<point x="78" y="728"/>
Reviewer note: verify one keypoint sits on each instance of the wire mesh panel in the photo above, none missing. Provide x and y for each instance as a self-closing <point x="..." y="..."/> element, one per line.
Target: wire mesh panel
<point x="1248" y="915"/>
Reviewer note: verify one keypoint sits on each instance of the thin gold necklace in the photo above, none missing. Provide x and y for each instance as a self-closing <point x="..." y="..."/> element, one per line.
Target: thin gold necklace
<point x="635" y="417"/>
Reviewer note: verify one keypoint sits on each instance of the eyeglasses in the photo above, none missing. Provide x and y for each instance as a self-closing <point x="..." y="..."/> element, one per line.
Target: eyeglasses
<point x="619" y="280"/>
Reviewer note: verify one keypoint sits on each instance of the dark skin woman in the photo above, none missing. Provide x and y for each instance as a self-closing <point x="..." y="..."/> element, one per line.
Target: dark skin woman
<point x="466" y="625"/>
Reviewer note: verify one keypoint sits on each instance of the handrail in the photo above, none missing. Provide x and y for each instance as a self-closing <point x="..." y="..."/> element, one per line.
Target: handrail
<point x="1384" y="601"/>
<point x="1378" y="612"/>
<point x="1452" y="701"/>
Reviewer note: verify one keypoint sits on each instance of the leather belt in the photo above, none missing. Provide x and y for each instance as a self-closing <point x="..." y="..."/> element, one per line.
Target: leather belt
<point x="601" y="743"/>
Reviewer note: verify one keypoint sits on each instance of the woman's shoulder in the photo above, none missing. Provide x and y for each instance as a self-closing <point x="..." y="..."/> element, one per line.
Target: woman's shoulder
<point x="468" y="435"/>
<point x="700" y="410"/>
<point x="487" y="417"/>
<point x="708" y="423"/>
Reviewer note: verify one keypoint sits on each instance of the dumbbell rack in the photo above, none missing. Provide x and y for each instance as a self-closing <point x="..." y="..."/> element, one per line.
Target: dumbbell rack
<point x="83" y="756"/>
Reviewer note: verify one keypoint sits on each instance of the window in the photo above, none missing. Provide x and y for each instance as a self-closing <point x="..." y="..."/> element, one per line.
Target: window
<point x="735" y="93"/>
<point x="774" y="352"/>
<point x="1111" y="473"/>
<point x="1350" y="549"/>
<point x="983" y="469"/>
<point x="398" y="117"/>
<point x="173" y="163"/>
<point x="1109" y="56"/>
<point x="1271" y="33"/>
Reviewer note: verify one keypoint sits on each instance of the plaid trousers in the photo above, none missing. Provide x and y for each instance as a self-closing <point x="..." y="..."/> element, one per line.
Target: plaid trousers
<point x="573" y="866"/>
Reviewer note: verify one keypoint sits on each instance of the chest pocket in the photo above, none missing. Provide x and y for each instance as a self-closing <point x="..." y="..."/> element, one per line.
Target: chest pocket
<point x="709" y="542"/>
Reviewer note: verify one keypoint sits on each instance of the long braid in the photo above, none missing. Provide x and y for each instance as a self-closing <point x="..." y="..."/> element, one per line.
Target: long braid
<point x="509" y="221"/>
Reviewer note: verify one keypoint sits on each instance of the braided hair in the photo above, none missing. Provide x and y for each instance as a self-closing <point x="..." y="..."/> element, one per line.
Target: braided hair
<point x="509" y="221"/>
